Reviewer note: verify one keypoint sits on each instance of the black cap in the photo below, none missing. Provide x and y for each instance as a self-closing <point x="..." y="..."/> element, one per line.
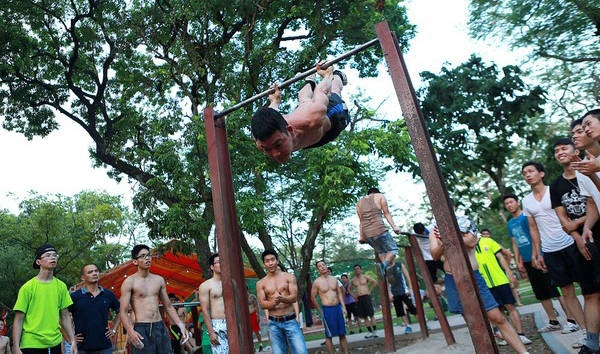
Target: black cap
<point x="40" y="251"/>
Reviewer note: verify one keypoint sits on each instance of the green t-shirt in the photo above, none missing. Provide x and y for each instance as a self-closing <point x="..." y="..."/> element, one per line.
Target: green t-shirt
<point x="489" y="267"/>
<point x="41" y="303"/>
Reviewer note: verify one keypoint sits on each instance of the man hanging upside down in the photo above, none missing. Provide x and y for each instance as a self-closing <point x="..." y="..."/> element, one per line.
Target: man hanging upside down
<point x="320" y="117"/>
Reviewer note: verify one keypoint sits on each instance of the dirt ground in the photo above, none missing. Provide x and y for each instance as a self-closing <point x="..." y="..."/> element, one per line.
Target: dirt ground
<point x="377" y="346"/>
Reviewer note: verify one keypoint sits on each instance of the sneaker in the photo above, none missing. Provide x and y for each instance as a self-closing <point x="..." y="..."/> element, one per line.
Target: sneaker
<point x="342" y="76"/>
<point x="549" y="328"/>
<point x="369" y="335"/>
<point x="501" y="342"/>
<point x="323" y="343"/>
<point x="586" y="350"/>
<point x="407" y="330"/>
<point x="374" y="335"/>
<point x="524" y="339"/>
<point x="580" y="341"/>
<point x="569" y="328"/>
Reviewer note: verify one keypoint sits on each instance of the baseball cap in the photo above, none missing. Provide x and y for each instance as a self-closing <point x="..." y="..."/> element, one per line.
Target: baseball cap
<point x="46" y="247"/>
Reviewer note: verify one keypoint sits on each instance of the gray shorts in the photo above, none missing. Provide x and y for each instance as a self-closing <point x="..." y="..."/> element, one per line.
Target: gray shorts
<point x="383" y="243"/>
<point x="156" y="338"/>
<point x="220" y="327"/>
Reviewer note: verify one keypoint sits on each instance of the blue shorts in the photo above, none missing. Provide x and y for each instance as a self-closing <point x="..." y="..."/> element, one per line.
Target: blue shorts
<point x="333" y="321"/>
<point x="454" y="304"/>
<point x="383" y="243"/>
<point x="338" y="116"/>
<point x="503" y="294"/>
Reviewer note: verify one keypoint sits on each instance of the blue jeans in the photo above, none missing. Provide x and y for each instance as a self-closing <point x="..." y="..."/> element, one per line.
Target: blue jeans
<point x="283" y="333"/>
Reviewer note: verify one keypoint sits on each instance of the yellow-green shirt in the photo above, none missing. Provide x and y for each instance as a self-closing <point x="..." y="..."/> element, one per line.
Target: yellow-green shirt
<point x="41" y="303"/>
<point x="489" y="266"/>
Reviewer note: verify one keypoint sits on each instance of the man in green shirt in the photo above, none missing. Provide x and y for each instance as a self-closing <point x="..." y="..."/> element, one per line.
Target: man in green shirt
<point x="495" y="271"/>
<point x="42" y="308"/>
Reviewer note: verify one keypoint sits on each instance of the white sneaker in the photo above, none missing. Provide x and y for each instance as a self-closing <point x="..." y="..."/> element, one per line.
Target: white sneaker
<point x="501" y="342"/>
<point x="569" y="328"/>
<point x="524" y="339"/>
<point x="580" y="341"/>
<point x="549" y="328"/>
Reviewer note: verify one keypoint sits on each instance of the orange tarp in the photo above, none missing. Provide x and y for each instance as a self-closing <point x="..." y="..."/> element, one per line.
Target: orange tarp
<point x="182" y="274"/>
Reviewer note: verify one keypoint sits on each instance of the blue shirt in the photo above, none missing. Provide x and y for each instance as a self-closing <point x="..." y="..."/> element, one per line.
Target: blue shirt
<point x="518" y="229"/>
<point x="90" y="315"/>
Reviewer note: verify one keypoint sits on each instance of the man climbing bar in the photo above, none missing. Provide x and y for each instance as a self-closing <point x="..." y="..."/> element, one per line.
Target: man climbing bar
<point x="320" y="117"/>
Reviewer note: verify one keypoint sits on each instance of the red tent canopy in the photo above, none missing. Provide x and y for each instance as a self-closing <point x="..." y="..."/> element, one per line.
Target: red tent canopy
<point x="182" y="274"/>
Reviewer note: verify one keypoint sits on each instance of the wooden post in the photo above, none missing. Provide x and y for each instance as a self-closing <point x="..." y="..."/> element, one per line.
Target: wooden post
<point x="237" y="315"/>
<point x="456" y="255"/>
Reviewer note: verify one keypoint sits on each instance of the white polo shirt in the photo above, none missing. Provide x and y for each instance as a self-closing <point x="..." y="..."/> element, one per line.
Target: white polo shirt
<point x="552" y="236"/>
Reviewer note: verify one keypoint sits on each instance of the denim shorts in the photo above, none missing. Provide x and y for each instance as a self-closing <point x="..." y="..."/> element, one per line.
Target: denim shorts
<point x="282" y="333"/>
<point x="383" y="243"/>
<point x="454" y="304"/>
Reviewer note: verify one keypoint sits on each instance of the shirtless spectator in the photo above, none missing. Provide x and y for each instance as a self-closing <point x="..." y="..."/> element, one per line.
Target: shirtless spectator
<point x="332" y="311"/>
<point x="142" y="291"/>
<point x="350" y="303"/>
<point x="213" y="307"/>
<point x="360" y="288"/>
<point x="277" y="293"/>
<point x="4" y="341"/>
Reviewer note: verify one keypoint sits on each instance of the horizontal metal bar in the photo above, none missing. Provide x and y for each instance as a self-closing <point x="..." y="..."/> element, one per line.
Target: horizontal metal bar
<point x="298" y="77"/>
<point x="415" y="235"/>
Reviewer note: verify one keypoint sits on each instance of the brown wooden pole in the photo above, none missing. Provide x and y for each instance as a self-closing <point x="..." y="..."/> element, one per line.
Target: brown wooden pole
<point x="388" y="325"/>
<point x="456" y="255"/>
<point x="414" y="284"/>
<point x="239" y="333"/>
<point x="437" y="306"/>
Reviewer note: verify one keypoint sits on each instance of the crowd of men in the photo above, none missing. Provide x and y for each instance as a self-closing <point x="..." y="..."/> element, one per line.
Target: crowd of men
<point x="554" y="241"/>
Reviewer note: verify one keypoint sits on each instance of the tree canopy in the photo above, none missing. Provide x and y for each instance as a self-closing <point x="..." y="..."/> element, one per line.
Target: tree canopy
<point x="136" y="74"/>
<point x="563" y="37"/>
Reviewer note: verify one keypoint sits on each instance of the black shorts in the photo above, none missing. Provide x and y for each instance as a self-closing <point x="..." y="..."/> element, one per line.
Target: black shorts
<point x="156" y="338"/>
<point x="563" y="265"/>
<point x="589" y="276"/>
<point x="365" y="306"/>
<point x="433" y="266"/>
<point x="503" y="295"/>
<point x="54" y="350"/>
<point x="400" y="301"/>
<point x="338" y="116"/>
<point x="351" y="310"/>
<point x="541" y="284"/>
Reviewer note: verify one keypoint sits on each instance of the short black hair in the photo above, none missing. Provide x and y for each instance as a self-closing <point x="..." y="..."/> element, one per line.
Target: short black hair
<point x="373" y="190"/>
<point x="594" y="113"/>
<point x="265" y="122"/>
<point x="562" y="142"/>
<point x="211" y="259"/>
<point x="356" y="265"/>
<point x="538" y="166"/>
<point x="482" y="230"/>
<point x="419" y="228"/>
<point x="344" y="275"/>
<point x="136" y="249"/>
<point x="576" y="122"/>
<point x="89" y="264"/>
<point x="268" y="252"/>
<point x="319" y="261"/>
<point x="510" y="195"/>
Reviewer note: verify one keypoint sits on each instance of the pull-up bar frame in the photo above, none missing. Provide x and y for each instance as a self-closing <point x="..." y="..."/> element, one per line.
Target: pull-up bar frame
<point x="228" y="235"/>
<point x="296" y="78"/>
